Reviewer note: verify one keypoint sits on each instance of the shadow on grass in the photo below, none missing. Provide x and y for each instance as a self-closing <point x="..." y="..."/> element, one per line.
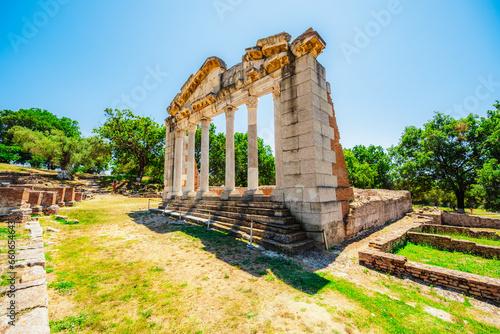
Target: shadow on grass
<point x="236" y="253"/>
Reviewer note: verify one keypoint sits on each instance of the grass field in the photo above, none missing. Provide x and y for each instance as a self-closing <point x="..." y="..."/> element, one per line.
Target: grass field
<point x="451" y="260"/>
<point x="123" y="270"/>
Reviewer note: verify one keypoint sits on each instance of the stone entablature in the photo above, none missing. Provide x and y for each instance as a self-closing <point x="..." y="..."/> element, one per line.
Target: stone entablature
<point x="311" y="176"/>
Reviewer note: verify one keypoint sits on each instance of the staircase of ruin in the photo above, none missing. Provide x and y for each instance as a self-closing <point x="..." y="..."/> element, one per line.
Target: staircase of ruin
<point x="273" y="225"/>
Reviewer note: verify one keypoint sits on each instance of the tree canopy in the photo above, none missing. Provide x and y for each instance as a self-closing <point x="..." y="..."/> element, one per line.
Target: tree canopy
<point x="447" y="153"/>
<point x="369" y="167"/>
<point x="137" y="142"/>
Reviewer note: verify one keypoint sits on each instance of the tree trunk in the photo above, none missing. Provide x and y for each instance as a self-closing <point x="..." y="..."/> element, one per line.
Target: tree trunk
<point x="140" y="173"/>
<point x="460" y="194"/>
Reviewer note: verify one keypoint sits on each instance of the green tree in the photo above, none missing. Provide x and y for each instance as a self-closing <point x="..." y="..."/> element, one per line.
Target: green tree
<point x="34" y="119"/>
<point x="217" y="156"/>
<point x="378" y="160"/>
<point x="135" y="139"/>
<point x="96" y="155"/>
<point x="361" y="174"/>
<point x="54" y="147"/>
<point x="446" y="152"/>
<point x="489" y="174"/>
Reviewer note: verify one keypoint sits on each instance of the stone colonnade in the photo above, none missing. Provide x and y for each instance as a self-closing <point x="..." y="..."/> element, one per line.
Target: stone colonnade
<point x="230" y="190"/>
<point x="311" y="176"/>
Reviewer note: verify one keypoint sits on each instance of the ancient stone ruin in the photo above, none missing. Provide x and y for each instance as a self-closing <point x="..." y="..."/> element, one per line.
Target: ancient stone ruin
<point x="18" y="201"/>
<point x="312" y="187"/>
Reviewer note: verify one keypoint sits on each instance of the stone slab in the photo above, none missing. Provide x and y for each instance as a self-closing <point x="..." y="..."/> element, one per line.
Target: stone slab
<point x="35" y="322"/>
<point x="32" y="274"/>
<point x="26" y="299"/>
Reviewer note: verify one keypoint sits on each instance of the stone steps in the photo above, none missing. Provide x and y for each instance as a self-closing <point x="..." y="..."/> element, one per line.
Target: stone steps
<point x="235" y="213"/>
<point x="273" y="225"/>
<point x="234" y="207"/>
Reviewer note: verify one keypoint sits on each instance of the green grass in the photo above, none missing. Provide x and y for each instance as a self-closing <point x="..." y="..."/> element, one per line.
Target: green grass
<point x="480" y="240"/>
<point x="452" y="260"/>
<point x="115" y="294"/>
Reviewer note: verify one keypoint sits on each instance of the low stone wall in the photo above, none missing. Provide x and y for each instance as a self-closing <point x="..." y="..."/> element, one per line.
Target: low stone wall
<point x="13" y="198"/>
<point x="78" y="196"/>
<point x="375" y="207"/>
<point x="464" y="220"/>
<point x="476" y="285"/>
<point x="432" y="228"/>
<point x="449" y="244"/>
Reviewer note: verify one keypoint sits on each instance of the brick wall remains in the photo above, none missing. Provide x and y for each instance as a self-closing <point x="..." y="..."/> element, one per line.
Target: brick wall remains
<point x="49" y="198"/>
<point x="13" y="198"/>
<point x="472" y="284"/>
<point x="35" y="197"/>
<point x="449" y="244"/>
<point x="69" y="194"/>
<point x="457" y="219"/>
<point x="445" y="229"/>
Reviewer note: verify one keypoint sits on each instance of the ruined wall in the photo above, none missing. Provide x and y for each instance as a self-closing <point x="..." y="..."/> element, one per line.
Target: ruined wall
<point x="13" y="198"/>
<point x="457" y="280"/>
<point x="375" y="207"/>
<point x="446" y="243"/>
<point x="460" y="219"/>
<point x="308" y="180"/>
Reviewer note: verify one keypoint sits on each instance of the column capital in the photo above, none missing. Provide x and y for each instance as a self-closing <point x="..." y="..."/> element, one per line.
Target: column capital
<point x="205" y="122"/>
<point x="192" y="127"/>
<point x="229" y="111"/>
<point x="252" y="102"/>
<point x="179" y="133"/>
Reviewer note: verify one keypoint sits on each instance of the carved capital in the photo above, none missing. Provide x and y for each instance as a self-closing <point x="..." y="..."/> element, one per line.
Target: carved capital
<point x="205" y="123"/>
<point x="252" y="102"/>
<point x="179" y="133"/>
<point x="192" y="128"/>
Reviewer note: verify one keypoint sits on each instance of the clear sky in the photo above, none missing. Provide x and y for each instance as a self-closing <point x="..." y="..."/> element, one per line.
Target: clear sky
<point x="390" y="63"/>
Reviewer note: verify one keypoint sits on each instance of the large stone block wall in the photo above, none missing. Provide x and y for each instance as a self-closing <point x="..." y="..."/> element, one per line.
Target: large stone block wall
<point x="476" y="285"/>
<point x="446" y="243"/>
<point x="308" y="180"/>
<point x="374" y="208"/>
<point x="460" y="219"/>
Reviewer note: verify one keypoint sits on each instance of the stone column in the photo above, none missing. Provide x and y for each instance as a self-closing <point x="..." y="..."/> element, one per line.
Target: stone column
<point x="191" y="164"/>
<point x="277" y="193"/>
<point x="253" y="154"/>
<point x="205" y="145"/>
<point x="230" y="187"/>
<point x="179" y="143"/>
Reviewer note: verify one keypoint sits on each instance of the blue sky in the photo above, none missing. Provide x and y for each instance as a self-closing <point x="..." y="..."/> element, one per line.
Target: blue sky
<point x="390" y="63"/>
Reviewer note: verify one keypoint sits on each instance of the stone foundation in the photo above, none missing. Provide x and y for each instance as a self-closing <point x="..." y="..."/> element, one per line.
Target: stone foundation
<point x="485" y="287"/>
<point x="449" y="244"/>
<point x="464" y="220"/>
<point x="375" y="207"/>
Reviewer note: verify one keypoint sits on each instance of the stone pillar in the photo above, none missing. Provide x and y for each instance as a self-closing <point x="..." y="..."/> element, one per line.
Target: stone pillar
<point x="205" y="146"/>
<point x="277" y="193"/>
<point x="306" y="134"/>
<point x="230" y="181"/>
<point x="168" y="171"/>
<point x="253" y="154"/>
<point x="179" y="143"/>
<point x="190" y="163"/>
